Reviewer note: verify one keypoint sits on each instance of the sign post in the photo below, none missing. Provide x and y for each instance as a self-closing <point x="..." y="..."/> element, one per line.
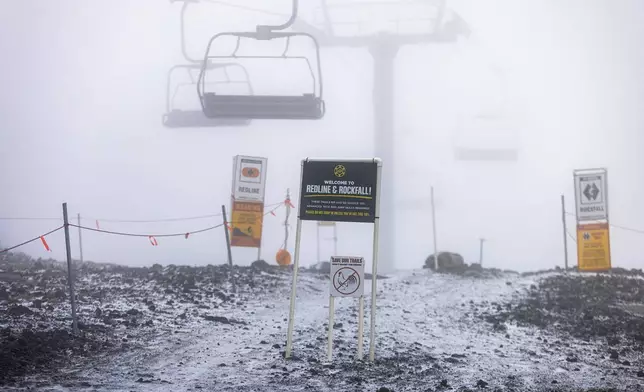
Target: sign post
<point x="565" y="231"/>
<point x="247" y="209"/>
<point x="347" y="280"/>
<point x="319" y="238"/>
<point x="593" y="227"/>
<point x="434" y="232"/>
<point x="339" y="190"/>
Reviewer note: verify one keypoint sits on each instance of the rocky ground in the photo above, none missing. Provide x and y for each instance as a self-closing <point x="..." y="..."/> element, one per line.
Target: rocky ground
<point x="603" y="310"/>
<point x="119" y="308"/>
<point x="185" y="329"/>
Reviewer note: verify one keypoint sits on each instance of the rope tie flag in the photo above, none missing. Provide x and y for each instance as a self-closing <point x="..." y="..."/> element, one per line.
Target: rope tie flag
<point x="153" y="241"/>
<point x="44" y="243"/>
<point x="40" y="237"/>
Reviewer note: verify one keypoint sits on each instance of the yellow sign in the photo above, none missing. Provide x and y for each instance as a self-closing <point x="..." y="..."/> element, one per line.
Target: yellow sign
<point x="246" y="223"/>
<point x="593" y="247"/>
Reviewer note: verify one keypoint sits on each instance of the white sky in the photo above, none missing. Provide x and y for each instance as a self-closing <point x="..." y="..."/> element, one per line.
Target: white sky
<point x="84" y="90"/>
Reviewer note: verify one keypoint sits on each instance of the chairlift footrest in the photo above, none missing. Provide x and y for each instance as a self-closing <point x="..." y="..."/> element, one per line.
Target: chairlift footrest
<point x="303" y="107"/>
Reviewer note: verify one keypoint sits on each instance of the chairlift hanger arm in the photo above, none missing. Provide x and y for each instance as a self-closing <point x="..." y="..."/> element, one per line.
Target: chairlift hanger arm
<point x="262" y="29"/>
<point x="184" y="49"/>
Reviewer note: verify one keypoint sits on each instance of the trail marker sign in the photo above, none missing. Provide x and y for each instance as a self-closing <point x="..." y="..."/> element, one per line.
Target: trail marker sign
<point x="591" y="195"/>
<point x="247" y="201"/>
<point x="246" y="223"/>
<point x="593" y="247"/>
<point x="347" y="277"/>
<point x="249" y="178"/>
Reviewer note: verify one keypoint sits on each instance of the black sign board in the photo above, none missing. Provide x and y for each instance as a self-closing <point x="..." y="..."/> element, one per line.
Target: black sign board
<point x="339" y="191"/>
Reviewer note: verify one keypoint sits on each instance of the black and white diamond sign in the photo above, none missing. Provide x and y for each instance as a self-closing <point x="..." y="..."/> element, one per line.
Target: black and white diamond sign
<point x="591" y="196"/>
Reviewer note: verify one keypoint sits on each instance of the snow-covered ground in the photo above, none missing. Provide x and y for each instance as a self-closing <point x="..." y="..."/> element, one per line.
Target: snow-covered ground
<point x="431" y="335"/>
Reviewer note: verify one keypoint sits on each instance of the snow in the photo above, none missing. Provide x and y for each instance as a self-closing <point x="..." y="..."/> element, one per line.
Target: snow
<point x="430" y="329"/>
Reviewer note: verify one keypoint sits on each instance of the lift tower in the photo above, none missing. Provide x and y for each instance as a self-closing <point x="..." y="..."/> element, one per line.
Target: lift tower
<point x="383" y="47"/>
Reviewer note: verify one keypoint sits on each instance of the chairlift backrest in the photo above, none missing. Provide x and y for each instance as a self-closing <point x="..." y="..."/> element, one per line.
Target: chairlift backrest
<point x="307" y="105"/>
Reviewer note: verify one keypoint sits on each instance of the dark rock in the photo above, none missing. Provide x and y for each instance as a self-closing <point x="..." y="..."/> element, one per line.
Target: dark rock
<point x="37" y="304"/>
<point x="385" y="389"/>
<point x="626" y="363"/>
<point x="613" y="354"/>
<point x="19" y="310"/>
<point x="481" y="384"/>
<point x="323" y="267"/>
<point x="133" y="312"/>
<point x="260" y="265"/>
<point x="277" y="346"/>
<point x="221" y="295"/>
<point x="446" y="261"/>
<point x="217" y="319"/>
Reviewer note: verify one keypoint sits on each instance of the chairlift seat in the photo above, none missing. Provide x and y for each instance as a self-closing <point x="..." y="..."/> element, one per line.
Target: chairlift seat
<point x="195" y="119"/>
<point x="302" y="107"/>
<point x="491" y="155"/>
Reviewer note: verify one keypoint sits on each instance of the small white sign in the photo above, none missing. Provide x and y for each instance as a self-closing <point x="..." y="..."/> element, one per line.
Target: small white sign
<point x="249" y="178"/>
<point x="326" y="223"/>
<point x="347" y="276"/>
<point x="591" y="196"/>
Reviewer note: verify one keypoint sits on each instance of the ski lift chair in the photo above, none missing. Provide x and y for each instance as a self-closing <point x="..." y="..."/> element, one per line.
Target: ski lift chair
<point x="307" y="106"/>
<point x="491" y="135"/>
<point x="468" y="146"/>
<point x="175" y="117"/>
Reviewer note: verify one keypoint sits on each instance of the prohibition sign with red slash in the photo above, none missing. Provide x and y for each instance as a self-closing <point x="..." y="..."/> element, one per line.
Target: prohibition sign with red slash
<point x="343" y="280"/>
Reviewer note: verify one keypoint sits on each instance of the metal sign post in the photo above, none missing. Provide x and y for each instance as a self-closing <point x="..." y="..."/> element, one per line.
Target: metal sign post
<point x="319" y="238"/>
<point x="434" y="232"/>
<point x="347" y="280"/>
<point x="565" y="231"/>
<point x="339" y="190"/>
<point x="482" y="240"/>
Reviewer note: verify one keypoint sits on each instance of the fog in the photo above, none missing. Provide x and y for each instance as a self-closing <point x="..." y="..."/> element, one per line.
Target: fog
<point x="84" y="89"/>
